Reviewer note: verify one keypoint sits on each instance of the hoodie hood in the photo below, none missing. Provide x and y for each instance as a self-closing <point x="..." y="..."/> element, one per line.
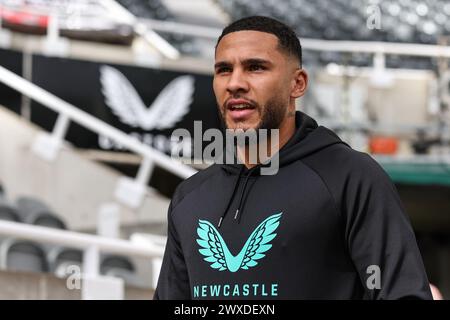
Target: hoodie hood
<point x="307" y="139"/>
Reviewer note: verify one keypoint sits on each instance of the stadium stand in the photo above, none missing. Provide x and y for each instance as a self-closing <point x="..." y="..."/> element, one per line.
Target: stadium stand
<point x="405" y="21"/>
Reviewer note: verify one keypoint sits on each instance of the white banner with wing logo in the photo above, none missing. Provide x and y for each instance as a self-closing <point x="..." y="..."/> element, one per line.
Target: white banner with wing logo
<point x="168" y="108"/>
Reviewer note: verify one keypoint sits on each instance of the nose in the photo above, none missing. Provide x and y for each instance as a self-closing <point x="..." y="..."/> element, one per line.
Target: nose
<point x="237" y="82"/>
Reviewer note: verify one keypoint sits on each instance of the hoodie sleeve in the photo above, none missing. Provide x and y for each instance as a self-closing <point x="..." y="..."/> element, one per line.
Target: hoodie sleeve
<point x="379" y="234"/>
<point x="173" y="282"/>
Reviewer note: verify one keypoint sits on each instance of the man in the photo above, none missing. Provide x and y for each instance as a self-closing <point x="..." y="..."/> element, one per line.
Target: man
<point x="328" y="225"/>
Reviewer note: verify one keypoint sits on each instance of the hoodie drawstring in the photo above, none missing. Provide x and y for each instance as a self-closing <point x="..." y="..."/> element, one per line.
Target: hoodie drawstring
<point x="236" y="184"/>
<point x="240" y="203"/>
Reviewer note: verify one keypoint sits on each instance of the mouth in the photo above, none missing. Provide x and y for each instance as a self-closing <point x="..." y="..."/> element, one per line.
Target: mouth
<point x="240" y="110"/>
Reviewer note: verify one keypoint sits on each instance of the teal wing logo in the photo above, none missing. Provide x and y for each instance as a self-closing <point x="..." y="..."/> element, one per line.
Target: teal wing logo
<point x="216" y="252"/>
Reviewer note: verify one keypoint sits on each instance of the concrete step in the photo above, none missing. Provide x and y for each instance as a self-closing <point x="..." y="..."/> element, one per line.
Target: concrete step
<point x="45" y="286"/>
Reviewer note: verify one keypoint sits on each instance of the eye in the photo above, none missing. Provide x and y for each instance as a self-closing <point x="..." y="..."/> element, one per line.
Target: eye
<point x="256" y="67"/>
<point x="223" y="70"/>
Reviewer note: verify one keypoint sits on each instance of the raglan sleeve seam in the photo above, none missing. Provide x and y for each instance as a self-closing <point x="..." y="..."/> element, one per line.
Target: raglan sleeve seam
<point x="333" y="199"/>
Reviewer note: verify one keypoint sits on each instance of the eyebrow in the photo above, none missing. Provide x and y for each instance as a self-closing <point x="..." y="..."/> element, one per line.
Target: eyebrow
<point x="255" y="61"/>
<point x="245" y="62"/>
<point x="222" y="64"/>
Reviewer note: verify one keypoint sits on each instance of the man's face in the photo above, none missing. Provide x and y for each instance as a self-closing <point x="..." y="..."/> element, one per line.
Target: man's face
<point x="253" y="80"/>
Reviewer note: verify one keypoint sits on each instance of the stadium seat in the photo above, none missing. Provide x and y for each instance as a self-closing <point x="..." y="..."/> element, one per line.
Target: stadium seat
<point x="34" y="211"/>
<point x="60" y="259"/>
<point x="120" y="267"/>
<point x="8" y="212"/>
<point x="18" y="255"/>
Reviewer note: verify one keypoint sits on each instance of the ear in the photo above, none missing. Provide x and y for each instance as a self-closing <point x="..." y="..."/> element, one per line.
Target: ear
<point x="299" y="83"/>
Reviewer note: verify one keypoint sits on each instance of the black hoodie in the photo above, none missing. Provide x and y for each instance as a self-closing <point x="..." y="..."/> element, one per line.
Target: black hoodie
<point x="328" y="225"/>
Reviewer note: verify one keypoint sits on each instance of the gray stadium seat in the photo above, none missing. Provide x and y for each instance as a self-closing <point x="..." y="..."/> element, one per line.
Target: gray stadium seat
<point x="29" y="204"/>
<point x="120" y="267"/>
<point x="8" y="212"/>
<point x="48" y="219"/>
<point x="21" y="255"/>
<point x="34" y="211"/>
<point x="60" y="259"/>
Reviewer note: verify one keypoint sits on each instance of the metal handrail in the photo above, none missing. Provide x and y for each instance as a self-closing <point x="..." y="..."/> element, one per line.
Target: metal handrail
<point x="79" y="240"/>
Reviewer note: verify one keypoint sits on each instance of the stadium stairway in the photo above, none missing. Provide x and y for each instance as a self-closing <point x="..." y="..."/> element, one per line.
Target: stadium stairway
<point x="74" y="186"/>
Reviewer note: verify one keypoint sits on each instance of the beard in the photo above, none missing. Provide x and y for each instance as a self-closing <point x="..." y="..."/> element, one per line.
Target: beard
<point x="272" y="114"/>
<point x="271" y="117"/>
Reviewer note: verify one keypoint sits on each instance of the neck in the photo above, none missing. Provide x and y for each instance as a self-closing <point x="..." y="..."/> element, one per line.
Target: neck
<point x="271" y="145"/>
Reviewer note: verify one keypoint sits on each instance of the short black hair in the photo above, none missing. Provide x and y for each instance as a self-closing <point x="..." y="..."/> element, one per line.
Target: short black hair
<point x="287" y="39"/>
